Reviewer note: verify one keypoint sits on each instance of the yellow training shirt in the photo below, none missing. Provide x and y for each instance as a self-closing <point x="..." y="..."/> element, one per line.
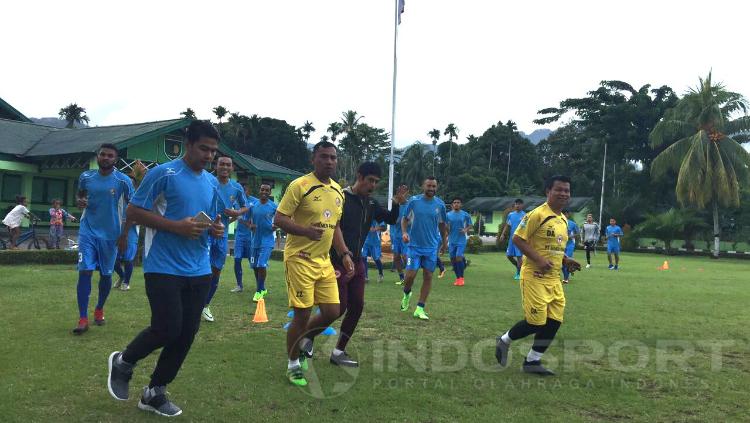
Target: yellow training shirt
<point x="547" y="233"/>
<point x="310" y="202"/>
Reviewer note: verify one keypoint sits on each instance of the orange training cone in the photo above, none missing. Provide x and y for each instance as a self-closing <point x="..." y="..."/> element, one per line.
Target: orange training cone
<point x="260" y="312"/>
<point x="665" y="266"/>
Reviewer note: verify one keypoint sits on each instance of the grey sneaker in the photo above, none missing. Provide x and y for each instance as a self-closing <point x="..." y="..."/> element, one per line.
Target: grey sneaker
<point x="344" y="360"/>
<point x="501" y="351"/>
<point x="118" y="283"/>
<point x="119" y="375"/>
<point x="236" y="289"/>
<point x="535" y="367"/>
<point x="125" y="287"/>
<point x="155" y="400"/>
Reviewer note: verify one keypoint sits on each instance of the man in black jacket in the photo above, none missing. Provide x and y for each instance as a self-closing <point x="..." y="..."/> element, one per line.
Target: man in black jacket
<point x="359" y="211"/>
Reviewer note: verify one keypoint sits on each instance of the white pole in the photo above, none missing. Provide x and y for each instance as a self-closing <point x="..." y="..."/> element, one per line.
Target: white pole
<point x="601" y="201"/>
<point x="393" y="106"/>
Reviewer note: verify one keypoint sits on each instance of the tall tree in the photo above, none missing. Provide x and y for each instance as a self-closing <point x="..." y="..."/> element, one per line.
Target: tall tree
<point x="220" y="112"/>
<point x="335" y="129"/>
<point x="452" y="132"/>
<point x="435" y="135"/>
<point x="73" y="113"/>
<point x="189" y="114"/>
<point x="307" y="129"/>
<point x="711" y="165"/>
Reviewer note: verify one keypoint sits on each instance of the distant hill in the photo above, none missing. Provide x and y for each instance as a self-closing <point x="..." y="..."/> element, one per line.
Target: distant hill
<point x="537" y="135"/>
<point x="54" y="122"/>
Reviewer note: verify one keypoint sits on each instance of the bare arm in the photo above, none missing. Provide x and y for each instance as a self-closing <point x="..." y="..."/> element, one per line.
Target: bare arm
<point x="544" y="264"/>
<point x="444" y="235"/>
<point x="186" y="227"/>
<point x="81" y="200"/>
<point x="287" y="225"/>
<point x="405" y="229"/>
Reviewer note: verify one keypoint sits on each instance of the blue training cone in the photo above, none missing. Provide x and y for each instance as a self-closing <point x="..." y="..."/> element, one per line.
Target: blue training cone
<point x="329" y="331"/>
<point x="290" y="314"/>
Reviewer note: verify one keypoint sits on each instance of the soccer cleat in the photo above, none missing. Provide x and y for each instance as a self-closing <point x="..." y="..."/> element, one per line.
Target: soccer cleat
<point x="155" y="400"/>
<point x="264" y="293"/>
<point x="380" y="278"/>
<point x="459" y="282"/>
<point x="535" y="367"/>
<point x="306" y="348"/>
<point x="588" y="266"/>
<point x="296" y="377"/>
<point x="304" y="363"/>
<point x="236" y="289"/>
<point x="611" y="267"/>
<point x="399" y="282"/>
<point x="441" y="274"/>
<point x="257" y="296"/>
<point x="420" y="314"/>
<point x="617" y="267"/>
<point x="405" y="301"/>
<point x="118" y="379"/>
<point x="83" y="326"/>
<point x="501" y="351"/>
<point x="343" y="360"/>
<point x="99" y="317"/>
<point x="517" y="277"/>
<point x="565" y="281"/>
<point x="118" y="283"/>
<point x="125" y="287"/>
<point x="207" y="316"/>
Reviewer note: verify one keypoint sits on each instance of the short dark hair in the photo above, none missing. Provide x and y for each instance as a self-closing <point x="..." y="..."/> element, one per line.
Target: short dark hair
<point x="201" y="128"/>
<point x="369" y="168"/>
<point x="549" y="182"/>
<point x="518" y="201"/>
<point x="108" y="146"/>
<point x="430" y="178"/>
<point x="457" y="198"/>
<point x="20" y="199"/>
<point x="323" y="144"/>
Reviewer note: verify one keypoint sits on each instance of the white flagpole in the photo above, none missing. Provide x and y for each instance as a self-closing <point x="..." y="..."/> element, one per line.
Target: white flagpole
<point x="393" y="105"/>
<point x="601" y="201"/>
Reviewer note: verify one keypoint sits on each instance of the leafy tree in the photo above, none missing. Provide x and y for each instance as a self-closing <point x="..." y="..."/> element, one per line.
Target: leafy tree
<point x="307" y="129"/>
<point x="220" y="112"/>
<point x="711" y="165"/>
<point x="414" y="166"/>
<point x="189" y="114"/>
<point x="670" y="225"/>
<point x="335" y="128"/>
<point x="73" y="113"/>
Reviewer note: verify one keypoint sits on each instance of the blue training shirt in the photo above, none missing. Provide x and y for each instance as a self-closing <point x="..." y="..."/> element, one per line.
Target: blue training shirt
<point x="263" y="219"/>
<point x="396" y="229"/>
<point x="513" y="220"/>
<point x="573" y="231"/>
<point x="613" y="241"/>
<point x="457" y="220"/>
<point x="175" y="191"/>
<point x="373" y="237"/>
<point x="232" y="194"/>
<point x="424" y="216"/>
<point x="242" y="231"/>
<point x="107" y="197"/>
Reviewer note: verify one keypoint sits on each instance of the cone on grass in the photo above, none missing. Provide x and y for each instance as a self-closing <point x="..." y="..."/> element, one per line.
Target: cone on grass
<point x="665" y="266"/>
<point x="260" y="312"/>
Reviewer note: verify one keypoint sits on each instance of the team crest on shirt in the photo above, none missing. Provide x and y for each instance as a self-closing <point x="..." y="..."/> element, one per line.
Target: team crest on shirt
<point x="338" y="202"/>
<point x="559" y="239"/>
<point x="231" y="198"/>
<point x="112" y="191"/>
<point x="327" y="214"/>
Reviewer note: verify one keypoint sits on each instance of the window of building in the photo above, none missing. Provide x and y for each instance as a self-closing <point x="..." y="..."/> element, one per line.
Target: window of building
<point x="11" y="187"/>
<point x="44" y="190"/>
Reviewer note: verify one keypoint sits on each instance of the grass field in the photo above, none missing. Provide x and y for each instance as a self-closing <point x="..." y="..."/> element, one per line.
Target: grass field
<point x="637" y="345"/>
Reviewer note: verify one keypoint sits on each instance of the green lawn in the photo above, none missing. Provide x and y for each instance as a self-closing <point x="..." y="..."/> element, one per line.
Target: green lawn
<point x="612" y="354"/>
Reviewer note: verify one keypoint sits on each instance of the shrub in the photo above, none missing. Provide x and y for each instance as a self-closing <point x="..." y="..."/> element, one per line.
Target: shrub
<point x="474" y="244"/>
<point x="38" y="257"/>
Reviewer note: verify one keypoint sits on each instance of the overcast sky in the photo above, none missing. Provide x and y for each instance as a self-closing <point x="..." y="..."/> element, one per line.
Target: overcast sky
<point x="470" y="62"/>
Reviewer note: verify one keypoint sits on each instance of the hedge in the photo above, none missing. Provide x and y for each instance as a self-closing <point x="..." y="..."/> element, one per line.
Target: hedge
<point x="14" y="257"/>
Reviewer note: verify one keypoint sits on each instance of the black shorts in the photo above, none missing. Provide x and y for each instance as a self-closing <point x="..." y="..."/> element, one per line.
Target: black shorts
<point x="589" y="245"/>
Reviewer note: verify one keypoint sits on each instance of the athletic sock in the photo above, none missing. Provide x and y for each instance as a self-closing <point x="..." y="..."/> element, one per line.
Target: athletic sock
<point x="128" y="272"/>
<point x="105" y="285"/>
<point x="238" y="271"/>
<point x="260" y="284"/>
<point x="367" y="273"/>
<point x="118" y="269"/>
<point x="84" y="291"/>
<point x="534" y="356"/>
<point x="214" y="287"/>
<point x="420" y="305"/>
<point x="566" y="273"/>
<point x="407" y="291"/>
<point x="379" y="265"/>
<point x="440" y="265"/>
<point x="506" y="337"/>
<point x="461" y="267"/>
<point x="523" y="329"/>
<point x="456" y="270"/>
<point x="401" y="275"/>
<point x="293" y="363"/>
<point x="337" y="352"/>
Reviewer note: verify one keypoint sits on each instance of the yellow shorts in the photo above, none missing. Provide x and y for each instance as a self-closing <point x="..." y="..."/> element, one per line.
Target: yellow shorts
<point x="542" y="301"/>
<point x="309" y="283"/>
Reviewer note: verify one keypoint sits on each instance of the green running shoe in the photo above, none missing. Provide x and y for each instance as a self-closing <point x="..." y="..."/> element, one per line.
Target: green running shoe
<point x="296" y="377"/>
<point x="303" y="362"/>
<point x="420" y="314"/>
<point x="257" y="296"/>
<point x="405" y="301"/>
<point x="264" y="293"/>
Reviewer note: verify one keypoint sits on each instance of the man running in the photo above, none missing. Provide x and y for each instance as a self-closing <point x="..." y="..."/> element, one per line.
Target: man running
<point x="570" y="247"/>
<point x="590" y="237"/>
<point x="541" y="236"/>
<point x="176" y="203"/>
<point x="102" y="193"/>
<point x="359" y="208"/>
<point x="125" y="258"/>
<point x="614" y="233"/>
<point x="424" y="230"/>
<point x="513" y="253"/>
<point x="309" y="213"/>
<point x="243" y="240"/>
<point x="263" y="238"/>
<point x="231" y="194"/>
<point x="372" y="248"/>
<point x="459" y="225"/>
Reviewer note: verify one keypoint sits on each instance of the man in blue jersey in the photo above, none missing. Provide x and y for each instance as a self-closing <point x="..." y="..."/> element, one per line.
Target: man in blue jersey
<point x="372" y="248"/>
<point x="514" y="255"/>
<point x="175" y="202"/>
<point x="424" y="230"/>
<point x="243" y="239"/>
<point x="614" y="233"/>
<point x="398" y="248"/>
<point x="125" y="259"/>
<point x="102" y="193"/>
<point x="570" y="247"/>
<point x="459" y="224"/>
<point x="231" y="193"/>
<point x="263" y="239"/>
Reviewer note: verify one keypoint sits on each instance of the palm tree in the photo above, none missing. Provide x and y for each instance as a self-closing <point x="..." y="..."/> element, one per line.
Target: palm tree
<point x="413" y="165"/>
<point x="710" y="164"/>
<point x="307" y="128"/>
<point x="189" y="114"/>
<point x="220" y="112"/>
<point x="512" y="126"/>
<point x="335" y="128"/>
<point x="349" y="121"/>
<point x="452" y="132"/>
<point x="435" y="135"/>
<point x="324" y="138"/>
<point x="73" y="114"/>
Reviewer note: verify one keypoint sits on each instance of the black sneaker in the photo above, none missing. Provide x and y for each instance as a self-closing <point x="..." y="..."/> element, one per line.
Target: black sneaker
<point x="306" y="349"/>
<point x="343" y="359"/>
<point x="119" y="376"/>
<point x="501" y="351"/>
<point x="155" y="400"/>
<point x="535" y="367"/>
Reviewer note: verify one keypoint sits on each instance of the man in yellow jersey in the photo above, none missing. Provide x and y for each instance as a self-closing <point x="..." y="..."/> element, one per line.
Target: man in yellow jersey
<point x="541" y="236"/>
<point x="309" y="213"/>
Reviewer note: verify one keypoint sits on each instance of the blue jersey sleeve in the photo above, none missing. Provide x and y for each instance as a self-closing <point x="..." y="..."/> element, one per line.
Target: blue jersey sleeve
<point x="241" y="198"/>
<point x="151" y="187"/>
<point x="467" y="220"/>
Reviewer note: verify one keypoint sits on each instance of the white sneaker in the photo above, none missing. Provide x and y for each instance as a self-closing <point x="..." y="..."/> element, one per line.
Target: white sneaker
<point x="236" y="289"/>
<point x="207" y="316"/>
<point x="380" y="278"/>
<point x="125" y="287"/>
<point x="588" y="266"/>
